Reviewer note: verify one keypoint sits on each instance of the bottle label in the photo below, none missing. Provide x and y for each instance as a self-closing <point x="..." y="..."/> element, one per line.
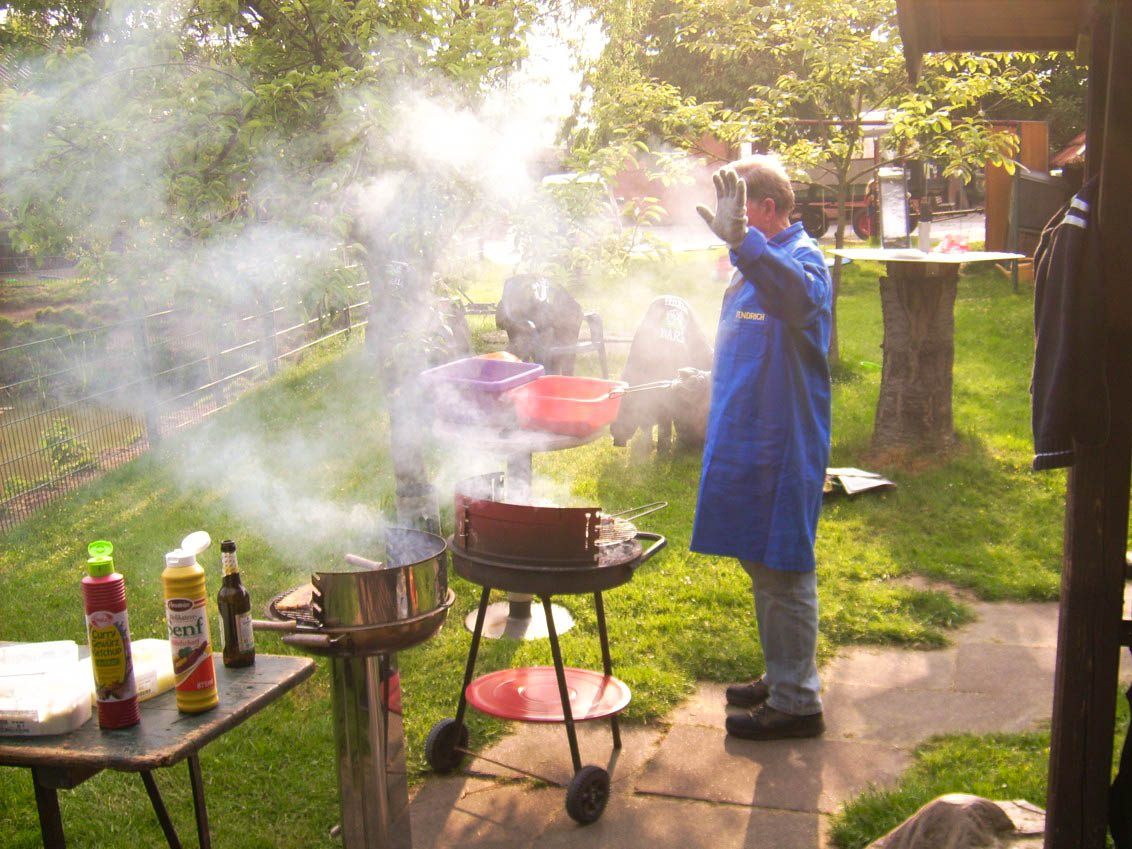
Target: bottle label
<point x="245" y="642"/>
<point x="228" y="561"/>
<point x="242" y="625"/>
<point x="188" y="638"/>
<point x="109" y="635"/>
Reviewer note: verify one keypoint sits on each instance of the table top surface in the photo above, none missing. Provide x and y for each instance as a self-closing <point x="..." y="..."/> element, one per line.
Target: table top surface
<point x="913" y="255"/>
<point x="165" y="735"/>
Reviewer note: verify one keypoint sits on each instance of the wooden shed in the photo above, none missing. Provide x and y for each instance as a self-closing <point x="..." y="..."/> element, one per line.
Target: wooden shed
<point x="1091" y="627"/>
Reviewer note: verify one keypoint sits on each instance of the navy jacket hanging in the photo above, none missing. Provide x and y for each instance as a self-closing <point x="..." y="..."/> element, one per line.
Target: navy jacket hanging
<point x="1068" y="389"/>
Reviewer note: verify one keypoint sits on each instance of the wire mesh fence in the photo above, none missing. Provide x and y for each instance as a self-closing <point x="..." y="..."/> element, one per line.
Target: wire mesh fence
<point x="75" y="405"/>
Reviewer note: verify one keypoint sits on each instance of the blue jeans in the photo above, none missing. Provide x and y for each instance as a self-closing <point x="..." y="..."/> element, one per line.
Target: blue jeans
<point x="786" y="607"/>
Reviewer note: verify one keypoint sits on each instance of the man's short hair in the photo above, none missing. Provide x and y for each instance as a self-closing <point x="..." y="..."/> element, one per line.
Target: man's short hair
<point x="766" y="178"/>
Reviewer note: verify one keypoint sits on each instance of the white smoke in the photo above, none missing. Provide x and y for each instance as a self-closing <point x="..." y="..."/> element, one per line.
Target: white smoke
<point x="117" y="199"/>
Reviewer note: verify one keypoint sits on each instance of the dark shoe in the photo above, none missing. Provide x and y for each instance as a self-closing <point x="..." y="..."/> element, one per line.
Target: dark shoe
<point x="766" y="723"/>
<point x="748" y="695"/>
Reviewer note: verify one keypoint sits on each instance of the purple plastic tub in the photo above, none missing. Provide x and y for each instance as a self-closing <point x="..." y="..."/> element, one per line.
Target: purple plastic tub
<point x="472" y="390"/>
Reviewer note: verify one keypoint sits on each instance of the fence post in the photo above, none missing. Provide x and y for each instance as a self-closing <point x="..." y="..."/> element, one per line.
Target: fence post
<point x="215" y="366"/>
<point x="271" y="353"/>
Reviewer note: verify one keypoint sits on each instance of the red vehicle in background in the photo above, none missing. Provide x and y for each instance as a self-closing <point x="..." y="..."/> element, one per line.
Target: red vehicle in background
<point x="816" y="203"/>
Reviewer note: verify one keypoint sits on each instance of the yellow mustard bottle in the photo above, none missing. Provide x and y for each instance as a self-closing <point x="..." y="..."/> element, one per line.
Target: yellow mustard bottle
<point x="186" y="615"/>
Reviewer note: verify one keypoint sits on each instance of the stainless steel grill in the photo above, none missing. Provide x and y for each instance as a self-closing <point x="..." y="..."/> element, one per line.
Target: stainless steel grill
<point x="360" y="617"/>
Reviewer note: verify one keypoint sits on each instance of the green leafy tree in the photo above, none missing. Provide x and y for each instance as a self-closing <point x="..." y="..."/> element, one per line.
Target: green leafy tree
<point x="240" y="149"/>
<point x="810" y="69"/>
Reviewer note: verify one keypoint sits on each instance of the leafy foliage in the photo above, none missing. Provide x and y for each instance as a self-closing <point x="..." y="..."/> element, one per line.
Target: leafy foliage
<point x="68" y="453"/>
<point x="797" y="78"/>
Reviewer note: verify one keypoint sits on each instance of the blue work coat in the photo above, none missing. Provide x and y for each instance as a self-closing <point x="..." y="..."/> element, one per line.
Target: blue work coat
<point x="767" y="443"/>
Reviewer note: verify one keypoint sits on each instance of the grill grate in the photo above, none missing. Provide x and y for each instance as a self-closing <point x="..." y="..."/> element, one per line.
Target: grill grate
<point x="295" y="604"/>
<point x="614" y="529"/>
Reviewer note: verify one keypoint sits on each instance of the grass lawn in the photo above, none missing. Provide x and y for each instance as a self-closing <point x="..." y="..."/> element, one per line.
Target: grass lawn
<point x="297" y="473"/>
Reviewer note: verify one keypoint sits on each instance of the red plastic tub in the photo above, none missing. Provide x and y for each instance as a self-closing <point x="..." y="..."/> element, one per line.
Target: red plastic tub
<point x="473" y="390"/>
<point x="574" y="406"/>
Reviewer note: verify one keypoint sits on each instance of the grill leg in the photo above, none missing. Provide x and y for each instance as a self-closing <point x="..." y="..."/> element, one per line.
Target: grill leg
<point x="470" y="669"/>
<point x="563" y="693"/>
<point x="606" y="662"/>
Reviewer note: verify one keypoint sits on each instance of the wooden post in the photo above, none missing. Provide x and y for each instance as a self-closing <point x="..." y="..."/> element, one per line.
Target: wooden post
<point x="914" y="406"/>
<point x="270" y="352"/>
<point x="1096" y="524"/>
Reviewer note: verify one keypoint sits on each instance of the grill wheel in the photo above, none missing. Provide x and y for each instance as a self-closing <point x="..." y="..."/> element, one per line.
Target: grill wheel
<point x="587" y="794"/>
<point x="443" y="743"/>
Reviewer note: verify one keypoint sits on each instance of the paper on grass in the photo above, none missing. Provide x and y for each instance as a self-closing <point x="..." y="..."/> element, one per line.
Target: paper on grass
<point x="858" y="480"/>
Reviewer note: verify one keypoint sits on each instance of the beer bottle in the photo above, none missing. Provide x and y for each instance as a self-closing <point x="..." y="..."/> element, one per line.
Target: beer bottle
<point x="235" y="612"/>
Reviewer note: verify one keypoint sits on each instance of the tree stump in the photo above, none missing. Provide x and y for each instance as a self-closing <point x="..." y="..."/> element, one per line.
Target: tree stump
<point x="914" y="408"/>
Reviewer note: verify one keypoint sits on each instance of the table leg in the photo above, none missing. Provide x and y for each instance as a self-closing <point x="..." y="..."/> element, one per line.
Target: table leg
<point x="159" y="809"/>
<point x="50" y="822"/>
<point x="198" y="802"/>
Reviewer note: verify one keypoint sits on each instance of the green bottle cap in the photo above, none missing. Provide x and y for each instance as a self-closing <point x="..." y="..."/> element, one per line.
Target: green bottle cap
<point x="100" y="564"/>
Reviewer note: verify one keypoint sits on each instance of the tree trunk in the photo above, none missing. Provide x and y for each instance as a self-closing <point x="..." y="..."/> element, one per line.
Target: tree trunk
<point x="914" y="407"/>
<point x="834" y="356"/>
<point x="398" y="311"/>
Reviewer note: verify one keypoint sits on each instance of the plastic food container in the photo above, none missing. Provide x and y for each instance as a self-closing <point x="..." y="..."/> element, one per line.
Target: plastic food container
<point x="574" y="406"/>
<point x="42" y="690"/>
<point x="474" y="390"/>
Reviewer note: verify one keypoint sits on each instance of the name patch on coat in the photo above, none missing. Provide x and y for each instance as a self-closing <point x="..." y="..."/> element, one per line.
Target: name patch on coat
<point x="750" y="316"/>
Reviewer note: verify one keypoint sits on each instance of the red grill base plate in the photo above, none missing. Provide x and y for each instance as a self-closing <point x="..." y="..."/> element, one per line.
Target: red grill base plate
<point x="530" y="694"/>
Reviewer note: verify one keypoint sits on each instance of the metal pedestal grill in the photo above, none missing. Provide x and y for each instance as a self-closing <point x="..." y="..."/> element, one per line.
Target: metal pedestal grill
<point x="542" y="551"/>
<point x="359" y="618"/>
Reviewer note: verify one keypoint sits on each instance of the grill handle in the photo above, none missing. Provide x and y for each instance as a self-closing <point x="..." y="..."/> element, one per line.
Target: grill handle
<point x="659" y="543"/>
<point x="274" y="625"/>
<point x="314" y="643"/>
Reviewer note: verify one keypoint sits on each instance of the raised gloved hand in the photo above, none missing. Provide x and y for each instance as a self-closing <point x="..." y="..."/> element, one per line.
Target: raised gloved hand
<point x="729" y="221"/>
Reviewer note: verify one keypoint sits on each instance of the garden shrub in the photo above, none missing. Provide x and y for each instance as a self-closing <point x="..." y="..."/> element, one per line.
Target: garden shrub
<point x="68" y="453"/>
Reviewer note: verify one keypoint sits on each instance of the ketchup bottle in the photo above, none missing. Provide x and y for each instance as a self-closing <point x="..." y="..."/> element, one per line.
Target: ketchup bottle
<point x="108" y="633"/>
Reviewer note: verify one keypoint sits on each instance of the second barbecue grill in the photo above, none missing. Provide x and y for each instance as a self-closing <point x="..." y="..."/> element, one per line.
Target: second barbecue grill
<point x="542" y="551"/>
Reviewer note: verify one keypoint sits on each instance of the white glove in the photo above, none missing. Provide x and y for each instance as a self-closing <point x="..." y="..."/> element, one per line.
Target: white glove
<point x="729" y="221"/>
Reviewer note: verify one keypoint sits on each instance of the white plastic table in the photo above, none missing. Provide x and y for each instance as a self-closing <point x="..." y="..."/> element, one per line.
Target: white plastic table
<point x="917" y="297"/>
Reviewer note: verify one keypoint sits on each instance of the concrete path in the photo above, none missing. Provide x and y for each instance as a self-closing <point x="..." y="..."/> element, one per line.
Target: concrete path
<point x="683" y="784"/>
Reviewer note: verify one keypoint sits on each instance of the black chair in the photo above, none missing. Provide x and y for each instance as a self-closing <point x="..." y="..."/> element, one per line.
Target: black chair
<point x="1034" y="198"/>
<point x="543" y="322"/>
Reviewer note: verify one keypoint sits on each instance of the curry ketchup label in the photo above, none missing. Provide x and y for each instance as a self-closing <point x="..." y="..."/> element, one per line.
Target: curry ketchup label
<point x="109" y="634"/>
<point x="192" y="649"/>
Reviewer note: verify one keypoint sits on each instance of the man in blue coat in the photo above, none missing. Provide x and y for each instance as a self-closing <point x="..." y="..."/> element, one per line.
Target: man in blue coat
<point x="767" y="443"/>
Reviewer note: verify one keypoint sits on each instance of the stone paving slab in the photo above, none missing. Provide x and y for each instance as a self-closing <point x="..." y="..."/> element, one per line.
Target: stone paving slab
<point x="457" y="811"/>
<point x="905" y="717"/>
<point x="893" y="667"/>
<point x="815" y="775"/>
<point x="649" y="822"/>
<point x="543" y="749"/>
<point x="1012" y="623"/>
<point x="684" y="783"/>
<point x="1008" y="671"/>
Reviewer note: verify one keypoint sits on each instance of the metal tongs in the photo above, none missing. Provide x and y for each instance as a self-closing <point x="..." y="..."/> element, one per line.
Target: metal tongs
<point x="618" y="527"/>
<point x="618" y="391"/>
<point x="637" y="512"/>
